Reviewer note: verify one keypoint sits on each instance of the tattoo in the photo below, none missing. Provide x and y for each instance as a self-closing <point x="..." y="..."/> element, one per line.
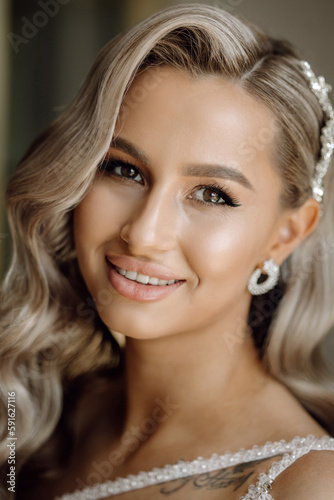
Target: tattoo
<point x="215" y="480"/>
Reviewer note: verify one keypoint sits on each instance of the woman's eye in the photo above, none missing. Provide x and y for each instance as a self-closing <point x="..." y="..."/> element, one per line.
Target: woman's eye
<point x="214" y="196"/>
<point x="128" y="171"/>
<point x="208" y="195"/>
<point x="121" y="169"/>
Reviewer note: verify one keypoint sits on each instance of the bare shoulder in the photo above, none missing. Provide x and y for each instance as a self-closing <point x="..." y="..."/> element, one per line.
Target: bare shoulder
<point x="310" y="477"/>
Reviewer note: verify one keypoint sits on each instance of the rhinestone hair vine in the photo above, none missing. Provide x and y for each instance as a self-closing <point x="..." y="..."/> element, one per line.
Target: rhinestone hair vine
<point x="321" y="89"/>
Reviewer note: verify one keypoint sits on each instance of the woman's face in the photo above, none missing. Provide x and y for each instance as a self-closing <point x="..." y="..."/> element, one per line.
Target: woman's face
<point x="188" y="192"/>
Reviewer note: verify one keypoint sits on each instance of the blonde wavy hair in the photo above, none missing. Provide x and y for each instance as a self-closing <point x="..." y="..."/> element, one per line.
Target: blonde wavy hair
<point x="50" y="329"/>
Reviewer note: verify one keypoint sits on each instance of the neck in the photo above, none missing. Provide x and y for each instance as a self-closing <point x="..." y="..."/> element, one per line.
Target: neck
<point x="186" y="376"/>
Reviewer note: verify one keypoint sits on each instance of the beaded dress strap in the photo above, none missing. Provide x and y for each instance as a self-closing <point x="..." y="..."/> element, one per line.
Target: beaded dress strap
<point x="199" y="466"/>
<point x="298" y="449"/>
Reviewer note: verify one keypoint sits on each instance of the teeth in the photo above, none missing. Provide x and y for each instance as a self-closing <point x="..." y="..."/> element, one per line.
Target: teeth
<point x="141" y="278"/>
<point x="131" y="275"/>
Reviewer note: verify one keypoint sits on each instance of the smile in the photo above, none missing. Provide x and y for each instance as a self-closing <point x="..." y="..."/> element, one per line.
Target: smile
<point x="143" y="279"/>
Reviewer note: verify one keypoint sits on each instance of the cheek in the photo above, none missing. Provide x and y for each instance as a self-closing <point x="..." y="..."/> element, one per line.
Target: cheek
<point x="89" y="220"/>
<point x="92" y="229"/>
<point x="224" y="250"/>
<point x="94" y="218"/>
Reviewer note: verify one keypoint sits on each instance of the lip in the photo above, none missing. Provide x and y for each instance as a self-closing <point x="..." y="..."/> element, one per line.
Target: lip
<point x="137" y="291"/>
<point x="146" y="268"/>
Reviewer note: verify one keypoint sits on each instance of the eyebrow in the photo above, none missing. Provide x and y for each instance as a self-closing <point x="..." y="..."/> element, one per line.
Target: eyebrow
<point x="130" y="149"/>
<point x="218" y="171"/>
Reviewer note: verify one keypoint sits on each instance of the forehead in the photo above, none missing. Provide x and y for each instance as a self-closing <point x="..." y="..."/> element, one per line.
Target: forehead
<point x="183" y="118"/>
<point x="163" y="84"/>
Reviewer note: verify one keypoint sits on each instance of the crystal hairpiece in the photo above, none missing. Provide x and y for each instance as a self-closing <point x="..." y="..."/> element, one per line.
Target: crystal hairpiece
<point x="321" y="89"/>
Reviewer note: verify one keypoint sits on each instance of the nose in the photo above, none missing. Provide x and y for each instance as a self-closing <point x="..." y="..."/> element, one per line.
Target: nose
<point x="152" y="227"/>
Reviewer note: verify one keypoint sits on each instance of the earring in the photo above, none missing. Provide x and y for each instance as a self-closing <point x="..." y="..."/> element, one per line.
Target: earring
<point x="272" y="270"/>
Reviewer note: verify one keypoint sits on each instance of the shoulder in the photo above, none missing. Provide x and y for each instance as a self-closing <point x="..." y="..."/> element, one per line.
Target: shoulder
<point x="310" y="477"/>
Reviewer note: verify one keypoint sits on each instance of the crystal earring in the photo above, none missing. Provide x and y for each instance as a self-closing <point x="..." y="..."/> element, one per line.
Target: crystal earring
<point x="272" y="270"/>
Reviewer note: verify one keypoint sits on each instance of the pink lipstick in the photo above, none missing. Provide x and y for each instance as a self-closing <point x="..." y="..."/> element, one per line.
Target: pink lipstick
<point x="141" y="281"/>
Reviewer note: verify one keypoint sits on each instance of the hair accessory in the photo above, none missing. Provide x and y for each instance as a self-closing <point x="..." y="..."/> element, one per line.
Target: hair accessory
<point x="321" y="89"/>
<point x="272" y="270"/>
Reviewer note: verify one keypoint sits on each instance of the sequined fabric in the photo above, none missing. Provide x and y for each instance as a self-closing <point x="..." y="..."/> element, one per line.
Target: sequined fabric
<point x="291" y="451"/>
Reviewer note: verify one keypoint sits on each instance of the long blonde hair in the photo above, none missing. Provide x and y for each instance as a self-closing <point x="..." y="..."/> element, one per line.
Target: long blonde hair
<point x="50" y="329"/>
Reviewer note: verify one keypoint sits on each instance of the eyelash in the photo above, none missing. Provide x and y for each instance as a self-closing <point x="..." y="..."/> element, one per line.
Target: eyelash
<point x="108" y="166"/>
<point x="229" y="199"/>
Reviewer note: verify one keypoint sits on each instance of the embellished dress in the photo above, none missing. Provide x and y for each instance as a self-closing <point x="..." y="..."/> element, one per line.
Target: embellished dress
<point x="288" y="453"/>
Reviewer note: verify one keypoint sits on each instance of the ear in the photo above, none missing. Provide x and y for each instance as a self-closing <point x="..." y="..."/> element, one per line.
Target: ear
<point x="293" y="227"/>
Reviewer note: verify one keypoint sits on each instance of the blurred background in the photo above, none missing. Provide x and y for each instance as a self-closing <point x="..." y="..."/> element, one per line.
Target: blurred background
<point x="48" y="46"/>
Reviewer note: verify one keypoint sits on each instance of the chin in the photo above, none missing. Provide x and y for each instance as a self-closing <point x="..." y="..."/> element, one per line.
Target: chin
<point x="132" y="327"/>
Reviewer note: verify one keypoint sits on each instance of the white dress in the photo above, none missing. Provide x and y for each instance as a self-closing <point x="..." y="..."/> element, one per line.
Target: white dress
<point x="291" y="451"/>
